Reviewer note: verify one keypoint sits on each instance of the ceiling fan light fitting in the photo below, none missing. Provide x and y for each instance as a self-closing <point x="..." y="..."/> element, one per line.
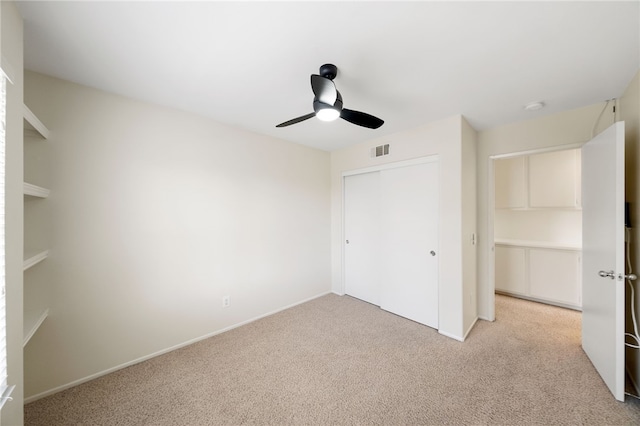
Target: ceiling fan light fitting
<point x="327" y="114"/>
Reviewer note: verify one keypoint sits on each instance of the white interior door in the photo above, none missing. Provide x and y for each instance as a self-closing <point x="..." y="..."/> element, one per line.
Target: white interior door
<point x="409" y="242"/>
<point x="362" y="233"/>
<point x="603" y="255"/>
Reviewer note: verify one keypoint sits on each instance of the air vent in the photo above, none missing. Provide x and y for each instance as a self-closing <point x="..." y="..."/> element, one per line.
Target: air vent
<point x="379" y="151"/>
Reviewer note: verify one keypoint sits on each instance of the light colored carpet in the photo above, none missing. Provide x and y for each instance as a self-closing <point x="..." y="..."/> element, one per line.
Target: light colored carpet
<point x="338" y="360"/>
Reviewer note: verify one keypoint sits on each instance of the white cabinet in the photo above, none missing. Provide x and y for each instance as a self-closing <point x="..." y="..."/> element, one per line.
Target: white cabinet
<point x="510" y="270"/>
<point x="547" y="180"/>
<point x="538" y="197"/>
<point x="510" y="183"/>
<point x="554" y="275"/>
<point x="533" y="271"/>
<point x="35" y="303"/>
<point x="554" y="179"/>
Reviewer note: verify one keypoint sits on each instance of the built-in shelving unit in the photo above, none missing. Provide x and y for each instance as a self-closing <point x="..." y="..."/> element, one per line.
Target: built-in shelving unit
<point x="34" y="315"/>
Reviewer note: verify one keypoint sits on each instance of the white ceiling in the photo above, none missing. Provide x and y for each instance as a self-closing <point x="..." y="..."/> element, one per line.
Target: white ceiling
<point x="247" y="64"/>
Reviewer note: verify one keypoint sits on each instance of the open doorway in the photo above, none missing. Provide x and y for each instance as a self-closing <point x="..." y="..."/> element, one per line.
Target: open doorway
<point x="602" y="323"/>
<point x="536" y="225"/>
<point x="537" y="230"/>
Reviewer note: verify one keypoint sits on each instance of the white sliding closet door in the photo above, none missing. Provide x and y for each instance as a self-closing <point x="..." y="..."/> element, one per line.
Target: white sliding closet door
<point x="409" y="210"/>
<point x="361" y="218"/>
<point x="391" y="240"/>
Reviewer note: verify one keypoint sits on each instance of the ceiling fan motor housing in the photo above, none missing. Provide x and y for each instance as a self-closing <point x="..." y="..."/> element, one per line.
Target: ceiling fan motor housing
<point x="329" y="71"/>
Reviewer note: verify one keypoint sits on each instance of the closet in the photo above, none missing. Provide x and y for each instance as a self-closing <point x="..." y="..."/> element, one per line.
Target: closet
<point x="391" y="238"/>
<point x="538" y="225"/>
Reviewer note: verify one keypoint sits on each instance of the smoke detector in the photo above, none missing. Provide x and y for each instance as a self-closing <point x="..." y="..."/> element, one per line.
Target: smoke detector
<point x="534" y="106"/>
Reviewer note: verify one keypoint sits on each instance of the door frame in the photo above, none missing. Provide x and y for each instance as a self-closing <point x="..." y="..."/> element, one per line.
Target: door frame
<point x="371" y="169"/>
<point x="490" y="240"/>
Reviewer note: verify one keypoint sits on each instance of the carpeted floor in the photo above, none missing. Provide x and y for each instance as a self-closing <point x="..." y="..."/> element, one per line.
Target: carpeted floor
<point x="337" y="360"/>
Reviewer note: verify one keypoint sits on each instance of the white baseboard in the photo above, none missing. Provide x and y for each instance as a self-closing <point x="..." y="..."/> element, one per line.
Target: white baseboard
<point x="162" y="352"/>
<point x="469" y="329"/>
<point x="458" y="338"/>
<point x="451" y="336"/>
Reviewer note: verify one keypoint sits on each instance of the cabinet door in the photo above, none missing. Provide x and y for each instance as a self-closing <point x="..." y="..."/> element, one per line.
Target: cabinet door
<point x="554" y="275"/>
<point x="510" y="185"/>
<point x="553" y="179"/>
<point x="510" y="270"/>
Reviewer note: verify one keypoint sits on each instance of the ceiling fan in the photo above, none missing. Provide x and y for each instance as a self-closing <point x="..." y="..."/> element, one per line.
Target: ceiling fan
<point x="327" y="103"/>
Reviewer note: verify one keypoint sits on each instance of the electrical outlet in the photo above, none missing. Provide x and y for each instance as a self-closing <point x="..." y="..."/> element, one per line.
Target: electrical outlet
<point x="226" y="301"/>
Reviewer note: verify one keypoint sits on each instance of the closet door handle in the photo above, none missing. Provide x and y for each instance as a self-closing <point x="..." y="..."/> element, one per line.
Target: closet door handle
<point x="433" y="253"/>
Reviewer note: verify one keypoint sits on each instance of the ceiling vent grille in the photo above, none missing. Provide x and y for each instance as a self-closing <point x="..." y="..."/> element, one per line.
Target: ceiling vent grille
<point x="380" y="151"/>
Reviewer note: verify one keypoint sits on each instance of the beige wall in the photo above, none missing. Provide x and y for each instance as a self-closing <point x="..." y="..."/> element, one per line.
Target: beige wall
<point x="157" y="214"/>
<point x="445" y="139"/>
<point x="568" y="128"/>
<point x="629" y="111"/>
<point x="11" y="49"/>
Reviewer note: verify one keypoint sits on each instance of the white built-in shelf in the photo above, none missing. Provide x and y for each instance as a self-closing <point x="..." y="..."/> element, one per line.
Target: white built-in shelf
<point x="32" y="323"/>
<point x="31" y="258"/>
<point x="33" y="124"/>
<point x="35" y="191"/>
